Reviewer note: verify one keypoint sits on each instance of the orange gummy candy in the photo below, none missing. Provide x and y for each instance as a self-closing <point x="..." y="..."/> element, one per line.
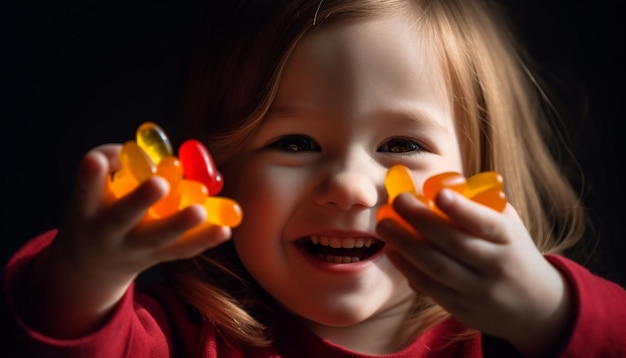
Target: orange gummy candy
<point x="484" y="188"/>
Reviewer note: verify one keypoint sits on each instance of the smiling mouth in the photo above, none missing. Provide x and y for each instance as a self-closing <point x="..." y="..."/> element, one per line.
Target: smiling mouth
<point x="341" y="250"/>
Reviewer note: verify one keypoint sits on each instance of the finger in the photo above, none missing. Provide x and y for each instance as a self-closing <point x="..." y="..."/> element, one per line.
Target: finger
<point x="427" y="258"/>
<point x="195" y="241"/>
<point x="477" y="219"/>
<point x="160" y="232"/>
<point x="112" y="154"/>
<point x="90" y="179"/>
<point x="469" y="249"/>
<point x="122" y="215"/>
<point x="451" y="299"/>
<point x="418" y="280"/>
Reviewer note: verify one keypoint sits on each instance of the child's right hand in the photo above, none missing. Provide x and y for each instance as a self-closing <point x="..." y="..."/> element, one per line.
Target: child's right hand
<point x="104" y="244"/>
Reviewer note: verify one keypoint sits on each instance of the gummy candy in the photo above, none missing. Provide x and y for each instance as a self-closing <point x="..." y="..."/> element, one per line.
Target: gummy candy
<point x="151" y="138"/>
<point x="484" y="188"/>
<point x="192" y="178"/>
<point x="198" y="165"/>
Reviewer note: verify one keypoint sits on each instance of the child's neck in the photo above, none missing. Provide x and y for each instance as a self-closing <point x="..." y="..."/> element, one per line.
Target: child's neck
<point x="377" y="335"/>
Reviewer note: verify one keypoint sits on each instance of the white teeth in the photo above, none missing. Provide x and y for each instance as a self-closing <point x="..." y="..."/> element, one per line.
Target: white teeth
<point x="348" y="242"/>
<point x="335" y="242"/>
<point x="342" y="242"/>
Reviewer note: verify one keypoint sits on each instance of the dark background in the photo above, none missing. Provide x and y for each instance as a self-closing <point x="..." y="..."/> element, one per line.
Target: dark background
<point x="77" y="74"/>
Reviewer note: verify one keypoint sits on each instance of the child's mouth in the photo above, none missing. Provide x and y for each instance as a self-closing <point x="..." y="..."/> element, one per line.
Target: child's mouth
<point x="341" y="250"/>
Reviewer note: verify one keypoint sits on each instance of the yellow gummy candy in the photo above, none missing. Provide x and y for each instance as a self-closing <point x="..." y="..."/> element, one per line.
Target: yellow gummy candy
<point x="398" y="180"/>
<point x="153" y="140"/>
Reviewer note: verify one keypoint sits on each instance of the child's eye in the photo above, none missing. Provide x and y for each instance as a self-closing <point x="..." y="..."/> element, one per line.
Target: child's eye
<point x="400" y="145"/>
<point x="295" y="143"/>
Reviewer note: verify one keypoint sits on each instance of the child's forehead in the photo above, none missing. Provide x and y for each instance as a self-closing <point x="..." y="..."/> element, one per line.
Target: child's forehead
<point x="381" y="57"/>
<point x="362" y="71"/>
<point x="362" y="37"/>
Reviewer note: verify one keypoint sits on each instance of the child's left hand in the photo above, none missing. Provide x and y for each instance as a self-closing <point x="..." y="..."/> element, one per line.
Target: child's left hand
<point x="482" y="267"/>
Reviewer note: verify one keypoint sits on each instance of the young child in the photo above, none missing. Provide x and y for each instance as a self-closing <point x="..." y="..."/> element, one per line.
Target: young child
<point x="304" y="105"/>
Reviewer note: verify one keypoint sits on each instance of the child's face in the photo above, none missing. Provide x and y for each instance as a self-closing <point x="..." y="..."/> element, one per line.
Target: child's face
<point x="354" y="100"/>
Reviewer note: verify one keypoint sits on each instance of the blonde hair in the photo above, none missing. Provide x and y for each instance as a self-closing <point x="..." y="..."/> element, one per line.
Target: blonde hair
<point x="500" y="109"/>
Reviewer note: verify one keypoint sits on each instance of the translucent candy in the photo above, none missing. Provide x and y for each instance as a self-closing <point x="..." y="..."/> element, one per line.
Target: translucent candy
<point x="136" y="167"/>
<point x="450" y="180"/>
<point x="198" y="165"/>
<point x="192" y="192"/>
<point x="153" y="140"/>
<point x="484" y="188"/>
<point x="171" y="170"/>
<point x="192" y="178"/>
<point x="398" y="180"/>
<point x="484" y="181"/>
<point x="223" y="210"/>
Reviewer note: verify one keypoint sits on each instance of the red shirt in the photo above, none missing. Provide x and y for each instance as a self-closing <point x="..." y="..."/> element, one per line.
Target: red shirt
<point x="155" y="323"/>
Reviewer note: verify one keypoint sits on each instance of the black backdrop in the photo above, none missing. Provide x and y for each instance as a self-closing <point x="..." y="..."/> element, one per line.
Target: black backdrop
<point x="81" y="73"/>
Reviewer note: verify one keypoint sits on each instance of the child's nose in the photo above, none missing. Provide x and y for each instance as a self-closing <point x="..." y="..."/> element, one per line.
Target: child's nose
<point x="348" y="187"/>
